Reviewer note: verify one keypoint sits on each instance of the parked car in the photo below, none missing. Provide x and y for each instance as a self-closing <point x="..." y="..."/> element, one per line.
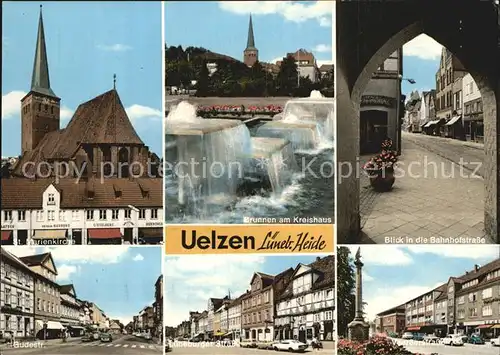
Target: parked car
<point x="407" y="336"/>
<point x="167" y="347"/>
<point x="147" y="336"/>
<point x="88" y="337"/>
<point x="431" y="338"/>
<point x="289" y="345"/>
<point x="96" y="335"/>
<point x="453" y="340"/>
<point x="418" y="336"/>
<point x="495" y="341"/>
<point x="475" y="339"/>
<point x="106" y="337"/>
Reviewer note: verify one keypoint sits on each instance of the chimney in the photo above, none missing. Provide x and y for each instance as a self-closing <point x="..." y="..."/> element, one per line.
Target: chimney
<point x="476" y="267"/>
<point x="318" y="258"/>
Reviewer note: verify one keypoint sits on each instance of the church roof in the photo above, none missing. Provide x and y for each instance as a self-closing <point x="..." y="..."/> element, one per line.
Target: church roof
<point x="102" y="120"/>
<point x="250" y="39"/>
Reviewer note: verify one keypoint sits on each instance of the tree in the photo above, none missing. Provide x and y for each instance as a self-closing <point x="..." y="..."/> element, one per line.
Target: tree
<point x="346" y="284"/>
<point x="287" y="76"/>
<point x="202" y="80"/>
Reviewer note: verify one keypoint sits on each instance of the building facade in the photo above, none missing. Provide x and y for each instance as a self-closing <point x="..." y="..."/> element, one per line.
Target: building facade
<point x="70" y="307"/>
<point x="234" y="318"/>
<point x="53" y="193"/>
<point x="381" y="105"/>
<point x="158" y="306"/>
<point x="472" y="110"/>
<point x="17" y="287"/>
<point x="305" y="309"/>
<point x="392" y="321"/>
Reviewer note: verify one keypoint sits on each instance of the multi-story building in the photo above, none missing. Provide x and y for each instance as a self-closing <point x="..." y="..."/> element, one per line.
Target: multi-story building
<point x="381" y="105"/>
<point x="306" y="65"/>
<point x="148" y="319"/>
<point x="213" y="305"/>
<point x="158" y="307"/>
<point x="71" y="310"/>
<point x="448" y="93"/>
<point x="472" y="110"/>
<point x="427" y="109"/>
<point x="203" y="324"/>
<point x="17" y="314"/>
<point x="98" y="318"/>
<point x="47" y="296"/>
<point x="305" y="309"/>
<point x="257" y="306"/>
<point x="54" y="192"/>
<point x="194" y="318"/>
<point x="413" y="112"/>
<point x="234" y="318"/>
<point x="218" y="332"/>
<point x="391" y="321"/>
<point x="135" y="323"/>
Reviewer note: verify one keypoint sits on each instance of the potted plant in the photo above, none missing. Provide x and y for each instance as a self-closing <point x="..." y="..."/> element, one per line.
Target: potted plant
<point x="380" y="168"/>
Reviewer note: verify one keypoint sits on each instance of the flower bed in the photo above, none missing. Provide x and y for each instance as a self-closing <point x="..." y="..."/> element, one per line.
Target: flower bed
<point x="232" y="110"/>
<point x="377" y="345"/>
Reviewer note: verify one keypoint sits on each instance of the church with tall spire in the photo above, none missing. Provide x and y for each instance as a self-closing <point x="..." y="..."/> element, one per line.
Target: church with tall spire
<point x="91" y="182"/>
<point x="251" y="53"/>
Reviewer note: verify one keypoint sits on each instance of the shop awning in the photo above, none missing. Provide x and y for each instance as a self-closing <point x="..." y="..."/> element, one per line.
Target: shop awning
<point x="453" y="120"/>
<point x="483" y="326"/>
<point x="431" y="123"/>
<point x="230" y="333"/>
<point x="496" y="326"/>
<point x="413" y="328"/>
<point x="50" y="234"/>
<point x="54" y="325"/>
<point x="6" y="235"/>
<point x="75" y="327"/>
<point x="104" y="233"/>
<point x="151" y="232"/>
<point x="219" y="334"/>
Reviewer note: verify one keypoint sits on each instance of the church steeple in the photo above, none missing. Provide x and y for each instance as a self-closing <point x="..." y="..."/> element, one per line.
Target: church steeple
<point x="250" y="54"/>
<point x="40" y="81"/>
<point x="250" y="39"/>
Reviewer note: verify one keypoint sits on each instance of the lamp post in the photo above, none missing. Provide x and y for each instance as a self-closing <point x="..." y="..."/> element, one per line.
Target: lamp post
<point x="398" y="107"/>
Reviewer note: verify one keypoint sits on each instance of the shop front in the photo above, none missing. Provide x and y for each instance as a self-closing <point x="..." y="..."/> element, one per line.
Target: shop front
<point x="50" y="237"/>
<point x="101" y="236"/>
<point x="150" y="235"/>
<point x="7" y="237"/>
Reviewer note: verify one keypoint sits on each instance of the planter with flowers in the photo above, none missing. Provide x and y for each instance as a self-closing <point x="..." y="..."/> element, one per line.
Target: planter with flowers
<point x="377" y="345"/>
<point x="380" y="168"/>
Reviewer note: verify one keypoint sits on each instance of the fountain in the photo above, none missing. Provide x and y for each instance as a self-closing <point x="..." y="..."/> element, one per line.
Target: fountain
<point x="305" y="122"/>
<point x="214" y="160"/>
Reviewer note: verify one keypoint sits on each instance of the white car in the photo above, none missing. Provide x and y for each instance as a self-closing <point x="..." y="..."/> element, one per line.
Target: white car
<point x="431" y="338"/>
<point x="453" y="340"/>
<point x="407" y="336"/>
<point x="289" y="345"/>
<point x="495" y="341"/>
<point x="147" y="336"/>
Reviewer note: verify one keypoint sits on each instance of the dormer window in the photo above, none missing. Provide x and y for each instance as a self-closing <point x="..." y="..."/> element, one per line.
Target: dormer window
<point x="117" y="190"/>
<point x="51" y="199"/>
<point x="144" y="191"/>
<point x="90" y="194"/>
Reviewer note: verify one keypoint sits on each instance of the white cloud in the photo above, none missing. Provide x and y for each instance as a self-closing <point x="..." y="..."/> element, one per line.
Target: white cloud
<point x="423" y="47"/>
<point x="136" y="112"/>
<point x="293" y="11"/>
<point x="473" y="252"/>
<point x="367" y="277"/>
<point x="117" y="47"/>
<point x="65" y="271"/>
<point x="66" y="113"/>
<point x="138" y="257"/>
<point x="322" y="48"/>
<point x="76" y="255"/>
<point x="387" y="297"/>
<point x="11" y="104"/>
<point x="388" y="255"/>
<point x="192" y="280"/>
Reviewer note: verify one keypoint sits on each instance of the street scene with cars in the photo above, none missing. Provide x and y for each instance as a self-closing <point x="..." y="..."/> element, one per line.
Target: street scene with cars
<point x="62" y="300"/>
<point x="287" y="305"/>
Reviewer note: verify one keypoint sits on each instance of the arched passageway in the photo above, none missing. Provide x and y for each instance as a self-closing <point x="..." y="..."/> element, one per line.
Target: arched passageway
<point x="367" y="33"/>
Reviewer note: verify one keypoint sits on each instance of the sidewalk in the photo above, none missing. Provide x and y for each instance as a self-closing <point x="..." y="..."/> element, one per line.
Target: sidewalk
<point x="442" y="202"/>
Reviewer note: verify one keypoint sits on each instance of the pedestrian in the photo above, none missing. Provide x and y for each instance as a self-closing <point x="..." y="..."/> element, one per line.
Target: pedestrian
<point x="315" y="344"/>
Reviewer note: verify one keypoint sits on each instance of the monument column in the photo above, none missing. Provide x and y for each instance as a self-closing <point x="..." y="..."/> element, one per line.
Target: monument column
<point x="358" y="328"/>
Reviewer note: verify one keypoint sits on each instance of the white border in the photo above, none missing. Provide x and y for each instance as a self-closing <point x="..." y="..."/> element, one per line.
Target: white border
<point x="163" y="91"/>
<point x="335" y="117"/>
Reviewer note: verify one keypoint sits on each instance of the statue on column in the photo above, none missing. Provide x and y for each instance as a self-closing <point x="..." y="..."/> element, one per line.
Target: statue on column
<point x="358" y="328"/>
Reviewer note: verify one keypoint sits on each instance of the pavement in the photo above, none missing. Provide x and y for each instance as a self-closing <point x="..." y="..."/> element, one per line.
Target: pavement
<point x="440" y="349"/>
<point x="125" y="345"/>
<point x="437" y="195"/>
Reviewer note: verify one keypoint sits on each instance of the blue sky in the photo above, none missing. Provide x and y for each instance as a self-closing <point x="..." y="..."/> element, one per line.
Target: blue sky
<point x="395" y="274"/>
<point x="279" y="27"/>
<point x="191" y="280"/>
<point x="87" y="42"/>
<point x="420" y="62"/>
<point x="120" y="279"/>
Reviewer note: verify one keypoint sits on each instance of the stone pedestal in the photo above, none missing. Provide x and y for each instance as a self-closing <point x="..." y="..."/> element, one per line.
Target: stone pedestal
<point x="358" y="330"/>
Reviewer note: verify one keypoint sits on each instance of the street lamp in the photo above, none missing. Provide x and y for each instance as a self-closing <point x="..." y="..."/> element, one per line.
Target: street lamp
<point x="411" y="81"/>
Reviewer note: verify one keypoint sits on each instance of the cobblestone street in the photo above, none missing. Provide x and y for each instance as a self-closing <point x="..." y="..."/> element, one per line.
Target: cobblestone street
<point x="436" y="194"/>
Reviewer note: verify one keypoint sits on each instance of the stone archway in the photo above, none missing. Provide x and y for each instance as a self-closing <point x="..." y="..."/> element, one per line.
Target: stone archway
<point x="367" y="33"/>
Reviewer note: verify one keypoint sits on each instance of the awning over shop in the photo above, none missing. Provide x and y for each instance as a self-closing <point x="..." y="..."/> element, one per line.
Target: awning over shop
<point x="453" y="120"/>
<point x="75" y="327"/>
<point x="431" y="123"/>
<point x="50" y="234"/>
<point x="230" y="333"/>
<point x="50" y="325"/>
<point x="104" y="233"/>
<point x="151" y="232"/>
<point x="6" y="235"/>
<point x="219" y="334"/>
<point x="496" y="326"/>
<point x="412" y="328"/>
<point x="483" y="326"/>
